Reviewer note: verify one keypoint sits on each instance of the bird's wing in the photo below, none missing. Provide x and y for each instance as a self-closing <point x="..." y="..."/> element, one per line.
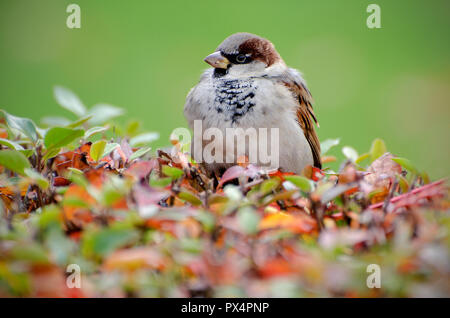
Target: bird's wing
<point x="305" y="114"/>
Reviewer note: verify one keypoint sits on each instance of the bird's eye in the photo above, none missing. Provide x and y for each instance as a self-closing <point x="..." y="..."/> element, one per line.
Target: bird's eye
<point x="241" y="58"/>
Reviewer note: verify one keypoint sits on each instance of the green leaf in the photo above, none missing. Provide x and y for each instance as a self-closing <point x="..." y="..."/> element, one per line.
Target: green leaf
<point x="405" y="163"/>
<point x="189" y="197"/>
<point x="425" y="177"/>
<point x="139" y="153"/>
<point x="403" y="183"/>
<point x="37" y="178"/>
<point x="31" y="252"/>
<point x="77" y="176"/>
<point x="24" y="125"/>
<point x="94" y="130"/>
<point x="79" y="179"/>
<point x="97" y="149"/>
<point x="328" y="144"/>
<point x="75" y="170"/>
<point x="50" y="216"/>
<point x="233" y="192"/>
<point x="57" y="137"/>
<point x="10" y="144"/>
<point x="68" y="100"/>
<point x="78" y="122"/>
<point x="279" y="196"/>
<point x="172" y="172"/>
<point x="207" y="219"/>
<point x="301" y="182"/>
<point x="110" y="196"/>
<point x="101" y="113"/>
<point x="75" y="202"/>
<point x="362" y="158"/>
<point x="191" y="245"/>
<point x="160" y="182"/>
<point x="14" y="160"/>
<point x="60" y="246"/>
<point x="248" y="220"/>
<point x="143" y="139"/>
<point x="109" y="148"/>
<point x="51" y="153"/>
<point x="106" y="241"/>
<point x="27" y="152"/>
<point x="329" y="194"/>
<point x="377" y="150"/>
<point x="269" y="185"/>
<point x="350" y="153"/>
<point x="132" y="128"/>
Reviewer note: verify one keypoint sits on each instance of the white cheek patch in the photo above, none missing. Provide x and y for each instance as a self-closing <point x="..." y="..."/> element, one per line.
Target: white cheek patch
<point x="255" y="68"/>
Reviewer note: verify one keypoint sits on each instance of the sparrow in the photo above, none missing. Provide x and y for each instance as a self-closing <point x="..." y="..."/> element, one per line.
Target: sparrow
<point x="249" y="85"/>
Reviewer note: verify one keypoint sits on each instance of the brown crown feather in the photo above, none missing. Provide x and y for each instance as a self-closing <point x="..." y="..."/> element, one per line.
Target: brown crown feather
<point x="261" y="50"/>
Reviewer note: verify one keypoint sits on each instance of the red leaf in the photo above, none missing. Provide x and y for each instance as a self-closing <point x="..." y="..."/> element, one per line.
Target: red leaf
<point x="231" y="173"/>
<point x="141" y="169"/>
<point x="60" y="182"/>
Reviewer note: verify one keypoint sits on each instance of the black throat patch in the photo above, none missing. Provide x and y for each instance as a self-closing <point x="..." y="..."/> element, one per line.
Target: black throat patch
<point x="234" y="98"/>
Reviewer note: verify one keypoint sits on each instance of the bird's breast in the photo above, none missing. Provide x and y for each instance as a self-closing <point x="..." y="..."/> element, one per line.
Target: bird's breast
<point x="234" y="98"/>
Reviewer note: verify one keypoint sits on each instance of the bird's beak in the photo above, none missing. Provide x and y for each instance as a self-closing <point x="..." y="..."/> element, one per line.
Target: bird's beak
<point x="217" y="60"/>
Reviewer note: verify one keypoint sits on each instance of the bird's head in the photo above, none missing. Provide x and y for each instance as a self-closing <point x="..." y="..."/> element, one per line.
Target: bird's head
<point x="244" y="54"/>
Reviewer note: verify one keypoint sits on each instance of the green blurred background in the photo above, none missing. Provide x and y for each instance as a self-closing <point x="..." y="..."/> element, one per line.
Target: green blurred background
<point x="391" y="83"/>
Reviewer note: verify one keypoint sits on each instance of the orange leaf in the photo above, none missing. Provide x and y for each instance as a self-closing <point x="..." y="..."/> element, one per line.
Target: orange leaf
<point x="276" y="267"/>
<point x="75" y="213"/>
<point x="3" y="133"/>
<point x="79" y="159"/>
<point x="328" y="159"/>
<point x="297" y="224"/>
<point x="135" y="258"/>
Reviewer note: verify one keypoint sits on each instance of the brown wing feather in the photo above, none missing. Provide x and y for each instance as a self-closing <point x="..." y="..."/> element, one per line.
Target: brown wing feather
<point x="305" y="117"/>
